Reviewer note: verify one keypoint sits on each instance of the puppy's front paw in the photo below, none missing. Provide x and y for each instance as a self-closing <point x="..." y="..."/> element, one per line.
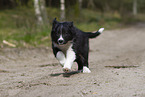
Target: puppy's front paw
<point x="86" y="70"/>
<point x="66" y="70"/>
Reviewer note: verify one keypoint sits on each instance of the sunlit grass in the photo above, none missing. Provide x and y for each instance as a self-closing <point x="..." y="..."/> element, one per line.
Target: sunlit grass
<point x="19" y="27"/>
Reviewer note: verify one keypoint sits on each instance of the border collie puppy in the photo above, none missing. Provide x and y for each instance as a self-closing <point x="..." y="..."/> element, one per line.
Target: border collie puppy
<point x="70" y="45"/>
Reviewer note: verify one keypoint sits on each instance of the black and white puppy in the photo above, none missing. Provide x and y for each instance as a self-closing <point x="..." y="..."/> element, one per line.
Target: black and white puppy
<point x="70" y="45"/>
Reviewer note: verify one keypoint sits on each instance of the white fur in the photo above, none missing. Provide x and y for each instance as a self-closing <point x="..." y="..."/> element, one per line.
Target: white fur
<point x="61" y="57"/>
<point x="101" y="30"/>
<point x="60" y="38"/>
<point x="86" y="70"/>
<point x="70" y="57"/>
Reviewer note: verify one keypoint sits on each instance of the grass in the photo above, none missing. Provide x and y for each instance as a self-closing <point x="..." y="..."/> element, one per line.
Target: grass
<point x="18" y="26"/>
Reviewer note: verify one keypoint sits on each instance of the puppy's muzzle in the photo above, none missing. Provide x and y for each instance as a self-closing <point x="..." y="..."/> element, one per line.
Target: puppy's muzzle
<point x="60" y="41"/>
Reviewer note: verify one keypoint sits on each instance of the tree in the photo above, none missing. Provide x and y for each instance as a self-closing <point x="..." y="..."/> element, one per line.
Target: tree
<point x="134" y="7"/>
<point x="91" y="4"/>
<point x="38" y="12"/>
<point x="43" y="11"/>
<point x="80" y="4"/>
<point x="62" y="8"/>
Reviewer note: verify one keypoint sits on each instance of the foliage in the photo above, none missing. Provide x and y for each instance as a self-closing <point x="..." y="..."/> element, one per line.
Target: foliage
<point x="18" y="25"/>
<point x="18" y="21"/>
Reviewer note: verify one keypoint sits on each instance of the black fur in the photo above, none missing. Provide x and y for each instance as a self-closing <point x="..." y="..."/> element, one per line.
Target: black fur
<point x="80" y="40"/>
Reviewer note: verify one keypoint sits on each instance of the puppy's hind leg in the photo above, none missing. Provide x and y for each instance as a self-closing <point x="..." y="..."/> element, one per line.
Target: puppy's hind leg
<point x="83" y="65"/>
<point x="86" y="69"/>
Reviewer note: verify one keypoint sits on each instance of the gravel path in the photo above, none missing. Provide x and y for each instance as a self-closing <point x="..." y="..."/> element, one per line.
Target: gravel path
<point x="117" y="62"/>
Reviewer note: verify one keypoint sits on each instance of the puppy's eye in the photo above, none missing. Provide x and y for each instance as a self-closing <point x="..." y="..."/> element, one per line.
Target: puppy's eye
<point x="66" y="33"/>
<point x="57" y="34"/>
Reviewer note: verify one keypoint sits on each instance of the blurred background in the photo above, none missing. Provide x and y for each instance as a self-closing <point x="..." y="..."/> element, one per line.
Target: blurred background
<point x="27" y="23"/>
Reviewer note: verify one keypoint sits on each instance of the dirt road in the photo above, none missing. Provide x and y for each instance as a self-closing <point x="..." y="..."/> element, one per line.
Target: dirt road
<point x="117" y="62"/>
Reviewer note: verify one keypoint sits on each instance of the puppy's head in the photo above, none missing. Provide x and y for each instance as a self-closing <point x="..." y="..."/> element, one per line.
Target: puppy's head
<point x="61" y="32"/>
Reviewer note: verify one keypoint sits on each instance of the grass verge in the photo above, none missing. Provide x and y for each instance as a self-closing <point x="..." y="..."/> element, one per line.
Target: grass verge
<point x="18" y="26"/>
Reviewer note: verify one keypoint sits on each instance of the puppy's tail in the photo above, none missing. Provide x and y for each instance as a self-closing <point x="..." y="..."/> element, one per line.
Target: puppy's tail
<point x="95" y="34"/>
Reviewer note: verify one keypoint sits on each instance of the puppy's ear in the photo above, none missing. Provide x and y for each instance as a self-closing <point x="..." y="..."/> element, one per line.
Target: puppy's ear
<point x="54" y="22"/>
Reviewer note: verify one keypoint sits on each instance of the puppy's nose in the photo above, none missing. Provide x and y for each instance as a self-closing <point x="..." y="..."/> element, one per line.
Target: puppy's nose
<point x="60" y="41"/>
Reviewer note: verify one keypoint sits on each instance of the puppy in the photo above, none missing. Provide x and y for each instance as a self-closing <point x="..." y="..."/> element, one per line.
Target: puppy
<point x="70" y="45"/>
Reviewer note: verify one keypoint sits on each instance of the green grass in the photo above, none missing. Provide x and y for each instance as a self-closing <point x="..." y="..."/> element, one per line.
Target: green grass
<point x="18" y="26"/>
